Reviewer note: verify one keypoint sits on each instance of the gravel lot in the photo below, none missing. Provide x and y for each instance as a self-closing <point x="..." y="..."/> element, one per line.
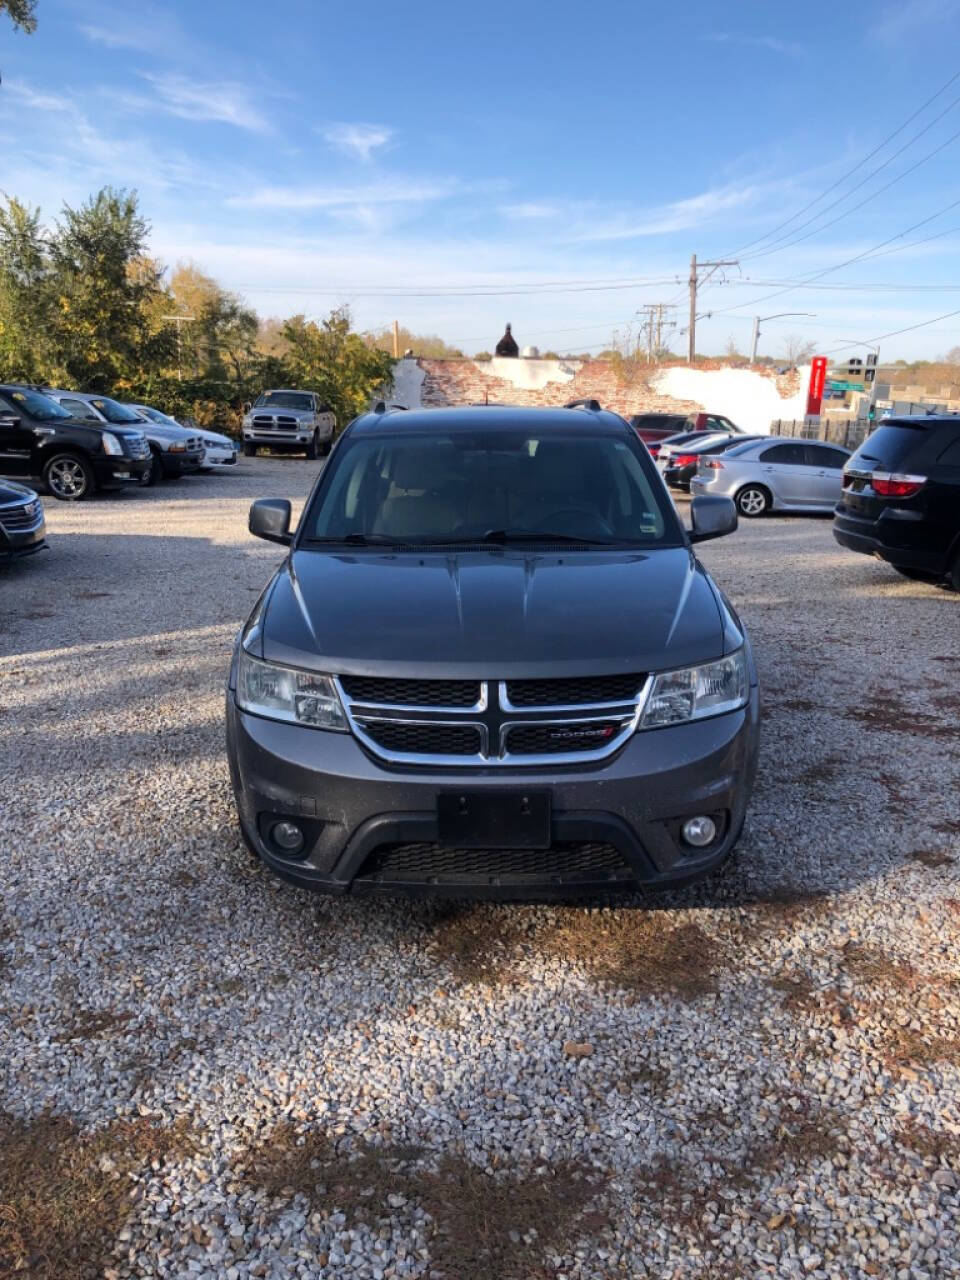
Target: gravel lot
<point x="207" y="1072"/>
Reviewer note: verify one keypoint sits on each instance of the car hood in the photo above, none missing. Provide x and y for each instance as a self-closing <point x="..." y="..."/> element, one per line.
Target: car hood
<point x="154" y="431"/>
<point x="493" y="614"/>
<point x="10" y="491"/>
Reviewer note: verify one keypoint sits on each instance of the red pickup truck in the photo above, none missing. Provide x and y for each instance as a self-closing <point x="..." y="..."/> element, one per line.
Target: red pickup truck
<point x="654" y="428"/>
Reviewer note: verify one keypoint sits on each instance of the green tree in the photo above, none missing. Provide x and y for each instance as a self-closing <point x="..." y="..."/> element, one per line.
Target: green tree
<point x="104" y="283"/>
<point x="421" y="344"/>
<point x="336" y="362"/>
<point x="28" y="348"/>
<point x="23" y="13"/>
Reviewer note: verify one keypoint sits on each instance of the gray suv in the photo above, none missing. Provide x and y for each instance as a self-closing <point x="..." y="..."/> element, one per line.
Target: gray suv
<point x="491" y="665"/>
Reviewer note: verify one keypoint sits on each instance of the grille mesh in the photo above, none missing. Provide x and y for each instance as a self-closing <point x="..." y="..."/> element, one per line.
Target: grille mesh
<point x="425" y="739"/>
<point x="574" y="691"/>
<point x="412" y="693"/>
<point x="19" y="517"/>
<point x="558" y="739"/>
<point x="424" y="862"/>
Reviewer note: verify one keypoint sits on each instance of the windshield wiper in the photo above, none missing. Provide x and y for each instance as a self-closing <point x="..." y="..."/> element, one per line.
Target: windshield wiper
<point x="361" y="540"/>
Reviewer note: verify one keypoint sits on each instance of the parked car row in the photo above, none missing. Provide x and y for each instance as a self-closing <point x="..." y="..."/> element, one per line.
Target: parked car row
<point x="75" y="443"/>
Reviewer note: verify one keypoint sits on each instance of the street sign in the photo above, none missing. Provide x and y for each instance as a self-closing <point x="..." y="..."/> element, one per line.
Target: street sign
<point x="818" y="373"/>
<point x="844" y="384"/>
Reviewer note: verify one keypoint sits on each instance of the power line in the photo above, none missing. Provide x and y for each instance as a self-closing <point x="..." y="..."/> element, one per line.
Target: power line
<point x="877" y="149"/>
<point x="788" y="244"/>
<point x="924" y="324"/>
<point x="479" y="291"/>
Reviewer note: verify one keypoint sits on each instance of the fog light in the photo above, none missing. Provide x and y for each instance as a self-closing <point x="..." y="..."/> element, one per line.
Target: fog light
<point x="288" y="836"/>
<point x="699" y="831"/>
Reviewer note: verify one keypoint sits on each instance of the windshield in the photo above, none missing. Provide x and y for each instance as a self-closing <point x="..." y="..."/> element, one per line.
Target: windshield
<point x="284" y="400"/>
<point x="39" y="407"/>
<point x="154" y="415"/>
<point x="494" y="486"/>
<point x="114" y="412"/>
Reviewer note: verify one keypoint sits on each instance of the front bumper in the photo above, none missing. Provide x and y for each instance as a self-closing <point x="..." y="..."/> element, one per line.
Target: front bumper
<point x="356" y="813"/>
<point x="112" y="472"/>
<point x="15" y="543"/>
<point x="679" y="477"/>
<point x="181" y="464"/>
<point x="220" y="457"/>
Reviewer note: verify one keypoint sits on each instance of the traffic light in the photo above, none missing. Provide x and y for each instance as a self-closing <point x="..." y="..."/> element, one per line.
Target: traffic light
<point x="870" y="372"/>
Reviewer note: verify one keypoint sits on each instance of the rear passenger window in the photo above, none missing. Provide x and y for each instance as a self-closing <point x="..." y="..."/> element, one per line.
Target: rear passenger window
<point x="821" y="455"/>
<point x="951" y="454"/>
<point x="790" y="455"/>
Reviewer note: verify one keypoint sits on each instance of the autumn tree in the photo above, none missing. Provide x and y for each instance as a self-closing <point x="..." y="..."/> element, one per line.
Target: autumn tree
<point x="797" y="350"/>
<point x="218" y="340"/>
<point x="430" y="344"/>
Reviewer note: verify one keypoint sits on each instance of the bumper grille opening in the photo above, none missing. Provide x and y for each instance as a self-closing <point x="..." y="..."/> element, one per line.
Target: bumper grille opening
<point x="569" y="860"/>
<point x="412" y="693"/>
<point x="421" y="738"/>
<point x="578" y="691"/>
<point x="560" y="739"/>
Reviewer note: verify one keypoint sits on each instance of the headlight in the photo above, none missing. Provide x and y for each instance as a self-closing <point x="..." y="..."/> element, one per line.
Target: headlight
<point x="176" y="446"/>
<point x="695" y="692"/>
<point x="111" y="444"/>
<point x="283" y="693"/>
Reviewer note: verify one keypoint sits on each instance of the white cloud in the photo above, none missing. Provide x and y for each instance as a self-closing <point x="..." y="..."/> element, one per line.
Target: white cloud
<point x="789" y="47"/>
<point x="680" y="215"/>
<point x="898" y="22"/>
<point x="223" y="102"/>
<point x="359" y="140"/>
<point x="529" y="210"/>
<point x="367" y="196"/>
<point x="36" y="99"/>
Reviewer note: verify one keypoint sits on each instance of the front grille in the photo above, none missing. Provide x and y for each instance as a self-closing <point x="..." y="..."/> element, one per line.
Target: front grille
<point x="561" y="739"/>
<point x="137" y="448"/>
<point x="193" y="444"/>
<point x="576" y="691"/>
<point x="412" y="693"/>
<point x="16" y="519"/>
<point x="569" y="860"/>
<point x="419" y="738"/>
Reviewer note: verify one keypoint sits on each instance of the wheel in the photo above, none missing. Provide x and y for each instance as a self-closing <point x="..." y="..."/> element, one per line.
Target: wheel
<point x="753" y="500"/>
<point x="154" y="472"/>
<point x="249" y="450"/>
<point x="69" y="477"/>
<point x="326" y="447"/>
<point x="312" y="452"/>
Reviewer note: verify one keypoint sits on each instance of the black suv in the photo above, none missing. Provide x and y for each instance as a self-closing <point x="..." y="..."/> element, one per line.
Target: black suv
<point x="901" y="498"/>
<point x="39" y="438"/>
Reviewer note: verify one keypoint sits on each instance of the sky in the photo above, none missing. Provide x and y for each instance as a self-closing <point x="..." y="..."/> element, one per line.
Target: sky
<point x="554" y="166"/>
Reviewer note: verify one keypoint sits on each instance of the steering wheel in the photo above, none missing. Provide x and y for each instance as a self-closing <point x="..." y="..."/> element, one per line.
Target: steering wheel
<point x="575" y="522"/>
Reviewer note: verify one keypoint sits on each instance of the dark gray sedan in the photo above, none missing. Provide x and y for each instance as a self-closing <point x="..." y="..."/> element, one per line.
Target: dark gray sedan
<point x="774" y="473"/>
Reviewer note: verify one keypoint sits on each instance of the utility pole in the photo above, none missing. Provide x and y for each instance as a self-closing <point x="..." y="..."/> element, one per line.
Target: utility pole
<point x="653" y="325"/>
<point x="178" y="320"/>
<point x="695" y="269"/>
<point x="396" y="340"/>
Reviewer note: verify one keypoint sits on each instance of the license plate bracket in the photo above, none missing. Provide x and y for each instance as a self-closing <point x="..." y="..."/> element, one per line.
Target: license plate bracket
<point x="494" y="819"/>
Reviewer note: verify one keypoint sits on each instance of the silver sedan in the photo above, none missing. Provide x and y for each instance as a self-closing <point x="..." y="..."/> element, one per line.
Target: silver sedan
<point x="776" y="473"/>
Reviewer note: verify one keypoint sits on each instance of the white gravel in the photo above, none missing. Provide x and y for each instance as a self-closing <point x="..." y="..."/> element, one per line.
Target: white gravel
<point x="772" y="1081"/>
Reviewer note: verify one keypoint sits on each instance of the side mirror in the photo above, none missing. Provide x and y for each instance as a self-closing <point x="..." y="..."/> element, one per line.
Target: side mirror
<point x="9" y="419"/>
<point x="270" y="519"/>
<point x="711" y="518"/>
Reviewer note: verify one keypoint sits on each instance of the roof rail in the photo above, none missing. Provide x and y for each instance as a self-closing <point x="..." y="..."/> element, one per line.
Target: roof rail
<point x="593" y="405"/>
<point x="382" y="407"/>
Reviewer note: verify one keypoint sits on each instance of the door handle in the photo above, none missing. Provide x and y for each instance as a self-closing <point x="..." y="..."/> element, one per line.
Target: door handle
<point x="768" y="468"/>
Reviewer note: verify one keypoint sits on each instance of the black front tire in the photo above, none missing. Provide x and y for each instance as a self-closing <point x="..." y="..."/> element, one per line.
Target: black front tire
<point x="154" y="472"/>
<point x="312" y="451"/>
<point x="753" y="500"/>
<point x="68" y="477"/>
<point x="249" y="450"/>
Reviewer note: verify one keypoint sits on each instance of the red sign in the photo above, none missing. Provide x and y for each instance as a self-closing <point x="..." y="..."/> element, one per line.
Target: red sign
<point x="818" y="377"/>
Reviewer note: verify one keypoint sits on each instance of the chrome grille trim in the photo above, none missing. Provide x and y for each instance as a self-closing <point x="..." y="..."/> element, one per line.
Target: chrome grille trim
<point x="498" y="719"/>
